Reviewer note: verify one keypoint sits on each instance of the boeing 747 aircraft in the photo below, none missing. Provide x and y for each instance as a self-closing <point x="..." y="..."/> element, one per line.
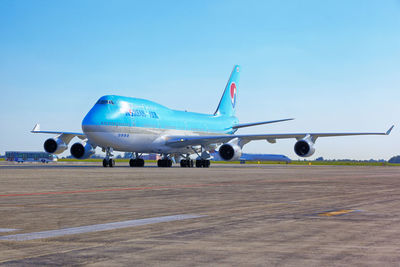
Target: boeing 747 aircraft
<point x="142" y="126"/>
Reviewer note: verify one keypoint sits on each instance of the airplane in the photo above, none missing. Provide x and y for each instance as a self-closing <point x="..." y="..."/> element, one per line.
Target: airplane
<point x="119" y="123"/>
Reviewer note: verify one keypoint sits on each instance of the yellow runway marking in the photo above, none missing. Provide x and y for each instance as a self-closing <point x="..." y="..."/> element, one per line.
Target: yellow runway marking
<point x="335" y="212"/>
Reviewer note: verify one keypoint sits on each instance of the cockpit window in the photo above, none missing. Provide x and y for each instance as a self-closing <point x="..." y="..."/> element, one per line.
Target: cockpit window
<point x="105" y="102"/>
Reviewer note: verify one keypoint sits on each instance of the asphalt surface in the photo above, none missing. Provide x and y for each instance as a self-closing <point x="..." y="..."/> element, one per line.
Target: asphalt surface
<point x="232" y="215"/>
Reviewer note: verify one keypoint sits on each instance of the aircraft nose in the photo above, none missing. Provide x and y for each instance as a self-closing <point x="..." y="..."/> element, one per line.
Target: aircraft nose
<point x="94" y="117"/>
<point x="90" y="118"/>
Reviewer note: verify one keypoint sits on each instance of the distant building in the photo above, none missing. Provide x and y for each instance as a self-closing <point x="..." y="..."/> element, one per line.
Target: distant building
<point x="31" y="156"/>
<point x="395" y="159"/>
<point x="151" y="157"/>
<point x="127" y="155"/>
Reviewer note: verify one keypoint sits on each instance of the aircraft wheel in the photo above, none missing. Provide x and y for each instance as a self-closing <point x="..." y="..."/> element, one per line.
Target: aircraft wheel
<point x="202" y="163"/>
<point x="105" y="163"/>
<point x="111" y="163"/>
<point x="206" y="163"/>
<point x="164" y="163"/>
<point x="136" y="162"/>
<point x="187" y="163"/>
<point x="141" y="162"/>
<point x="199" y="163"/>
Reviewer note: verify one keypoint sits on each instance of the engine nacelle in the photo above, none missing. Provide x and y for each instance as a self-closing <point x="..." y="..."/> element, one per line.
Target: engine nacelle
<point x="55" y="146"/>
<point x="230" y="151"/>
<point x="304" y="147"/>
<point x="82" y="151"/>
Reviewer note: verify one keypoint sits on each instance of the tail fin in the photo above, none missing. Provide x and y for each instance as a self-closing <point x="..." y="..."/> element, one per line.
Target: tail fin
<point x="228" y="100"/>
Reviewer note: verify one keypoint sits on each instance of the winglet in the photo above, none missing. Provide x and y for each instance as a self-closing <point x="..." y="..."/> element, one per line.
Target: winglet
<point x="36" y="128"/>
<point x="389" y="131"/>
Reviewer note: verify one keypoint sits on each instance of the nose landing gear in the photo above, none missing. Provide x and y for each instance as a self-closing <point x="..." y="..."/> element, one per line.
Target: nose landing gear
<point x="108" y="161"/>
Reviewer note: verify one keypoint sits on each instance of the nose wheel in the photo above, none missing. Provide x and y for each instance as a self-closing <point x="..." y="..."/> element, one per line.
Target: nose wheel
<point x="108" y="161"/>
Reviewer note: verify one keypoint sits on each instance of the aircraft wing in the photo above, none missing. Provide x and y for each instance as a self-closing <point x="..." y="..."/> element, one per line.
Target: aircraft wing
<point x="66" y="136"/>
<point x="242" y="125"/>
<point x="180" y="141"/>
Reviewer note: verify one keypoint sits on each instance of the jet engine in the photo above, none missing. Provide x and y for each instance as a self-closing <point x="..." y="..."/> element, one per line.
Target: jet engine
<point x="304" y="147"/>
<point x="82" y="151"/>
<point x="230" y="151"/>
<point x="55" y="146"/>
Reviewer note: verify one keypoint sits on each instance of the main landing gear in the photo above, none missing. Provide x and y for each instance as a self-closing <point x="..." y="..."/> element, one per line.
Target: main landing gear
<point x="137" y="161"/>
<point x="164" y="162"/>
<point x="187" y="163"/>
<point x="108" y="161"/>
<point x="202" y="163"/>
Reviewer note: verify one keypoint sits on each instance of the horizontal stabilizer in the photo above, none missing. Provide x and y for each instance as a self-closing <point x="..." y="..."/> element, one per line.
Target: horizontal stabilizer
<point x="242" y="125"/>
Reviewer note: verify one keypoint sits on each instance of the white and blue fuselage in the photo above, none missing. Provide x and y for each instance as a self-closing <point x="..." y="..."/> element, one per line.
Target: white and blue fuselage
<point x="139" y="125"/>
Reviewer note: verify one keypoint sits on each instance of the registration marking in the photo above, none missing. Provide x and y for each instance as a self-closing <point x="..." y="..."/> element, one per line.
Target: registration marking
<point x="97" y="227"/>
<point x="335" y="213"/>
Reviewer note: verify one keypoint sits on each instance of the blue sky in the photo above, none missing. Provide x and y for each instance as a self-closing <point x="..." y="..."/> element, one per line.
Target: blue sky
<point x="333" y="65"/>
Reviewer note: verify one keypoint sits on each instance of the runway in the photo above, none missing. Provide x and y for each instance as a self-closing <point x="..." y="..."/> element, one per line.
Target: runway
<point x="84" y="214"/>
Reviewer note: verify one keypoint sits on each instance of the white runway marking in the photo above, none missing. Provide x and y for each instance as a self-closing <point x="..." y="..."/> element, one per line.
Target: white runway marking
<point x="5" y="230"/>
<point x="97" y="227"/>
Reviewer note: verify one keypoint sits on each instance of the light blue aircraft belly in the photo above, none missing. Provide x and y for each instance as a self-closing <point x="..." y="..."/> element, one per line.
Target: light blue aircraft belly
<point x="132" y="124"/>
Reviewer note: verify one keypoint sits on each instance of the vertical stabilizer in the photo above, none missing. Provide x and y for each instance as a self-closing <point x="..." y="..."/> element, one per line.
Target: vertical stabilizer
<point x="228" y="101"/>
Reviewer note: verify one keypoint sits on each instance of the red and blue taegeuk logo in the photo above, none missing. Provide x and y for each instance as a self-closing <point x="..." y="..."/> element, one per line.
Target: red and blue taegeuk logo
<point x="233" y="93"/>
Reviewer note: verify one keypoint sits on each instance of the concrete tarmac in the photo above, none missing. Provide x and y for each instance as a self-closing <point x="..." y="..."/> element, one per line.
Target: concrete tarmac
<point x="229" y="215"/>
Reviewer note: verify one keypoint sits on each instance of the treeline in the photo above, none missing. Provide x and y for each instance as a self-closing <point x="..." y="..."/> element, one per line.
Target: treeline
<point x="395" y="159"/>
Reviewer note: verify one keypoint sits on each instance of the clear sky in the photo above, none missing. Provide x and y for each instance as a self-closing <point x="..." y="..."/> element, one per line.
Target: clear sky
<point x="332" y="65"/>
